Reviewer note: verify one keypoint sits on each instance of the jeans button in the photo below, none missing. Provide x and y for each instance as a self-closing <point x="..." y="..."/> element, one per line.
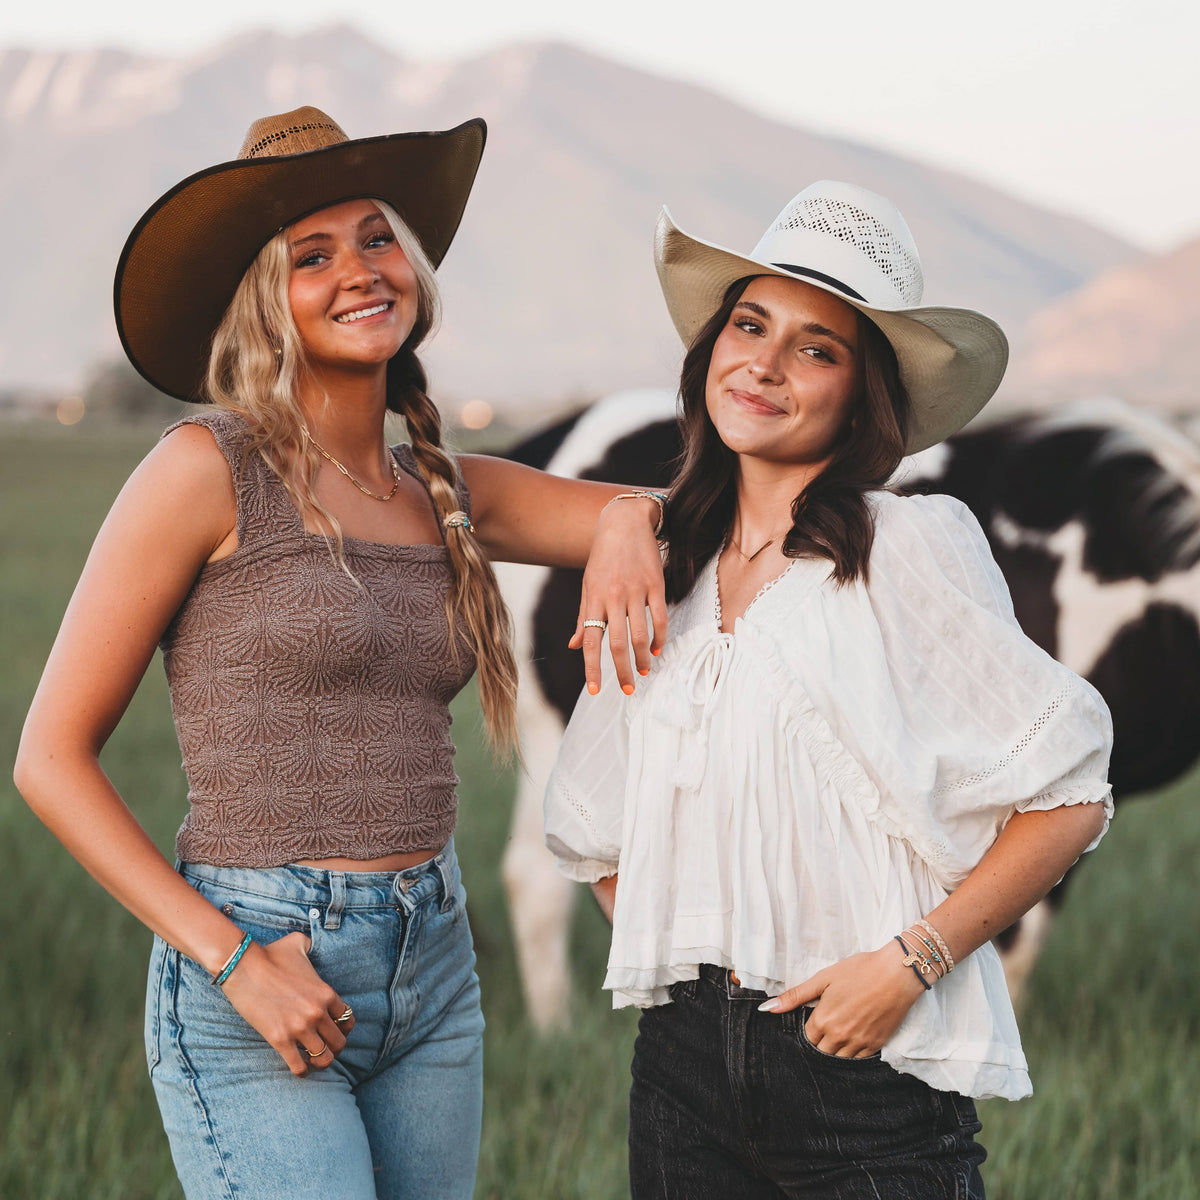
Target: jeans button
<point x="314" y="913"/>
<point x="227" y="909"/>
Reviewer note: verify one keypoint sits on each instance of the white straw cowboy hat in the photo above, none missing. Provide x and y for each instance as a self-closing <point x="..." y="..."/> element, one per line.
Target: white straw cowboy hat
<point x="856" y="246"/>
<point x="185" y="258"/>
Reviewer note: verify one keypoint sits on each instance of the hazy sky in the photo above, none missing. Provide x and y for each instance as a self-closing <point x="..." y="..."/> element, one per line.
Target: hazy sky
<point x="1089" y="106"/>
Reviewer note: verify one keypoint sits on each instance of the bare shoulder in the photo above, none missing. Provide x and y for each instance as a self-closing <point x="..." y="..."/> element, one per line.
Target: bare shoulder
<point x="185" y="486"/>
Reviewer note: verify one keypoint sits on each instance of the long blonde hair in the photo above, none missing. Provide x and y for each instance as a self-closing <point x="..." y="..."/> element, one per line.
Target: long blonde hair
<point x="255" y="367"/>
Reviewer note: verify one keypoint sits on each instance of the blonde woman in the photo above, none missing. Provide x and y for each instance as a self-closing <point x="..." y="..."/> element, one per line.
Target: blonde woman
<point x="313" y="1023"/>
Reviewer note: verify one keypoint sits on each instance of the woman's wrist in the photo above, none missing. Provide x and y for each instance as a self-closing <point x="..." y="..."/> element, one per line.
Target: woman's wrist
<point x="924" y="952"/>
<point x="213" y="948"/>
<point x="657" y="506"/>
<point x="230" y="964"/>
<point x="909" y="979"/>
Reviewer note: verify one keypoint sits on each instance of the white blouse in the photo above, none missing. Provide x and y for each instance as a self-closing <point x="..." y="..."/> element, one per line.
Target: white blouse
<point x="800" y="790"/>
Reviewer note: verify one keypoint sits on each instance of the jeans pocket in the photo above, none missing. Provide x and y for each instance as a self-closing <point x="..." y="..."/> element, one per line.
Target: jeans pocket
<point x="801" y="1024"/>
<point x="683" y="989"/>
<point x="265" y="918"/>
<point x="965" y="1112"/>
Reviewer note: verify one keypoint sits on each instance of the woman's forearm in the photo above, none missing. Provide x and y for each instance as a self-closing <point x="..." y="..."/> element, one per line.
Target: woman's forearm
<point x="528" y="516"/>
<point x="863" y="998"/>
<point x="1031" y="854"/>
<point x="73" y="797"/>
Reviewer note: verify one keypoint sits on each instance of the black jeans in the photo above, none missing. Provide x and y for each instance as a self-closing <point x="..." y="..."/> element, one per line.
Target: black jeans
<point x="730" y="1102"/>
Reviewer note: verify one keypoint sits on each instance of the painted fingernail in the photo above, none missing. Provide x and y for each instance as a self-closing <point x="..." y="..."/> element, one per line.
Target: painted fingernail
<point x="593" y="688"/>
<point x="770" y="1006"/>
<point x="643" y="670"/>
<point x="656" y="651"/>
<point x="627" y="688"/>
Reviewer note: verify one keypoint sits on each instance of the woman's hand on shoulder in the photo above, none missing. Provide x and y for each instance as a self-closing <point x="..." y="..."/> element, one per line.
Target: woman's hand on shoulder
<point x="528" y="516"/>
<point x="858" y="1003"/>
<point x="623" y="577"/>
<point x="276" y="990"/>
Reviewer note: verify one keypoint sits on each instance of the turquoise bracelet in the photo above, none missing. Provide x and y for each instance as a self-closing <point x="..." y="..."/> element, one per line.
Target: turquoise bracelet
<point x="233" y="960"/>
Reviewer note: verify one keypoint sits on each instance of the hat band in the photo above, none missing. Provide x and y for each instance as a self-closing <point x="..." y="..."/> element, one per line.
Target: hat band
<point x="829" y="279"/>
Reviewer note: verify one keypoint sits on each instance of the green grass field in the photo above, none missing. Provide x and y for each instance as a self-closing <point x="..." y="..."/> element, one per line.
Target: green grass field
<point x="1110" y="1024"/>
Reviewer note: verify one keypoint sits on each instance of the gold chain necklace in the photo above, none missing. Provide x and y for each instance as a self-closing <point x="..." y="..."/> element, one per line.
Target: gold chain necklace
<point x="366" y="491"/>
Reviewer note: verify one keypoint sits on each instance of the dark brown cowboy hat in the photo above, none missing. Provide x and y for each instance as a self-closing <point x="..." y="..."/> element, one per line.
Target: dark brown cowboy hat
<point x="185" y="258"/>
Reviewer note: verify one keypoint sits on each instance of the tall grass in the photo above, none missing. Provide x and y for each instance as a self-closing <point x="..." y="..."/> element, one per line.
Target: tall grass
<point x="1110" y="1024"/>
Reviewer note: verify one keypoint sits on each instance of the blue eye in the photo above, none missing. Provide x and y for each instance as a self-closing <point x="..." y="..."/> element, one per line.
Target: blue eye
<point x="383" y="237"/>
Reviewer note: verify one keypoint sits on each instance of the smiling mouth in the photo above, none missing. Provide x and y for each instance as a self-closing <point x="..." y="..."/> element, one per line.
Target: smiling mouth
<point x="359" y="313"/>
<point x="755" y="403"/>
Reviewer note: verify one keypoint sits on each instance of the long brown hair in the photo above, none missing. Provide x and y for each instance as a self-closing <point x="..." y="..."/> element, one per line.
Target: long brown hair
<point x="830" y="518"/>
<point x="254" y="369"/>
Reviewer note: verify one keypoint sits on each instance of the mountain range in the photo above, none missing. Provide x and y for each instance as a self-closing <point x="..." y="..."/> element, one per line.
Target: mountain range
<point x="550" y="291"/>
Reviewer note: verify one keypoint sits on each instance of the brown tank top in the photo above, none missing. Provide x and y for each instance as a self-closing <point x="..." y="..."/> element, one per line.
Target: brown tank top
<point x="312" y="713"/>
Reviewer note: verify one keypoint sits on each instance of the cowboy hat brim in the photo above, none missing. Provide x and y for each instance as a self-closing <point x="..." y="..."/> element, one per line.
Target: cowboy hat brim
<point x="951" y="359"/>
<point x="186" y="256"/>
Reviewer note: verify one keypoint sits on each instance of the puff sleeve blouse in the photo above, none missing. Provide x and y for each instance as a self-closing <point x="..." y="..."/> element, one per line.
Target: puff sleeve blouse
<point x="783" y="796"/>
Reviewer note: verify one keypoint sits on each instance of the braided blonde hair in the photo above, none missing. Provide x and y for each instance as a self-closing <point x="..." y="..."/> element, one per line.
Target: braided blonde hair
<point x="255" y="367"/>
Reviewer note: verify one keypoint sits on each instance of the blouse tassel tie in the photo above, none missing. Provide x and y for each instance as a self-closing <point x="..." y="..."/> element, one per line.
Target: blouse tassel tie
<point x="690" y="708"/>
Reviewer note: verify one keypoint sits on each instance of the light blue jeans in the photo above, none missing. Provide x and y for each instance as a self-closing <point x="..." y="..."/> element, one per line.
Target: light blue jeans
<point x="397" y="1115"/>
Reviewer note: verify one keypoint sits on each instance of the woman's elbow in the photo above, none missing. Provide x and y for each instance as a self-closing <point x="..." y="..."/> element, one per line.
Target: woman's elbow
<point x="26" y="772"/>
<point x="1077" y="826"/>
<point x="30" y="767"/>
<point x="35" y="770"/>
<point x="1095" y="819"/>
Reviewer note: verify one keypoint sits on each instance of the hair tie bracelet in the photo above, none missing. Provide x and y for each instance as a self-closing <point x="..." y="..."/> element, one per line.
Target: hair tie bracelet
<point x="459" y="520"/>
<point x="232" y="961"/>
<point x="659" y="498"/>
<point x="911" y="960"/>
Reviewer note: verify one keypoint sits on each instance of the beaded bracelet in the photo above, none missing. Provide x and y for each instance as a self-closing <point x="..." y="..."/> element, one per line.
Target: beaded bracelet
<point x="941" y="945"/>
<point x="659" y="498"/>
<point x="231" y="962"/>
<point x="943" y="969"/>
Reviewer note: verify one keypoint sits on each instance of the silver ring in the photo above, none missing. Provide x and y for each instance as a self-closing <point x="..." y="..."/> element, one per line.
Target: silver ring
<point x="595" y="624"/>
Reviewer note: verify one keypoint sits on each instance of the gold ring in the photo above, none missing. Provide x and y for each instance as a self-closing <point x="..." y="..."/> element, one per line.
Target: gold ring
<point x="345" y="1016"/>
<point x="317" y="1053"/>
<point x="594" y="624"/>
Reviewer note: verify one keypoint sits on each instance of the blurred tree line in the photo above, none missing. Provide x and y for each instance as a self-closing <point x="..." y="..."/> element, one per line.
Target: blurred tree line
<point x="114" y="391"/>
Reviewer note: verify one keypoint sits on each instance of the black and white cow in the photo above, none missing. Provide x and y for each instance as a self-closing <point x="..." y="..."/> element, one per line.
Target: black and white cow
<point x="1093" y="513"/>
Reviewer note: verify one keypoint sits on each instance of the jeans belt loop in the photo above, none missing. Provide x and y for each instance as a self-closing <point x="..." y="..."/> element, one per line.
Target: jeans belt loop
<point x="337" y="900"/>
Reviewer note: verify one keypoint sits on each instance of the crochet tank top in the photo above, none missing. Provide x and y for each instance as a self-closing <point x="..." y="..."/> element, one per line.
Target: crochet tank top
<point x="311" y="711"/>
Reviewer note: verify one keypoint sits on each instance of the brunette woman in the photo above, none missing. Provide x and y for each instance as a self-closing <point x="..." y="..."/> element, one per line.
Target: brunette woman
<point x="313" y="1024"/>
<point x="849" y="768"/>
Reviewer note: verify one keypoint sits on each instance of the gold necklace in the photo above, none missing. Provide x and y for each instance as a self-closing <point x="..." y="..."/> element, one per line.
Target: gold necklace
<point x="749" y="558"/>
<point x="366" y="491"/>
